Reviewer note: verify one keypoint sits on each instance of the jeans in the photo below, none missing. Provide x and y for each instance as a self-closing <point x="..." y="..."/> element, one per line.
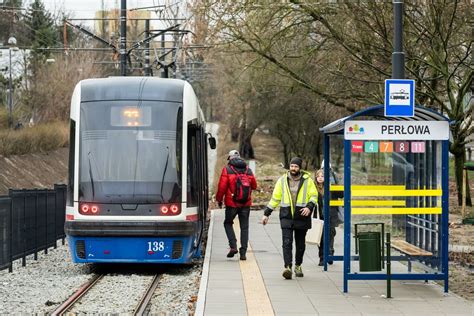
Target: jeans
<point x="287" y="235"/>
<point x="332" y="234"/>
<point x="230" y="214"/>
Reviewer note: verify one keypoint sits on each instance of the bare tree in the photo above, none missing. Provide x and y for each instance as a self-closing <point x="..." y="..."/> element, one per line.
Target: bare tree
<point x="49" y="98"/>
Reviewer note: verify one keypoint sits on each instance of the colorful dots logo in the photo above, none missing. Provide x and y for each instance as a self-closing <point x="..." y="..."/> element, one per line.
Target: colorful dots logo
<point x="356" y="129"/>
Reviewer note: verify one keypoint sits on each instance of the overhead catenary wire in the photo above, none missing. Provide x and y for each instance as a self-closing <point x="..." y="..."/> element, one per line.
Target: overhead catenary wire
<point x="178" y="37"/>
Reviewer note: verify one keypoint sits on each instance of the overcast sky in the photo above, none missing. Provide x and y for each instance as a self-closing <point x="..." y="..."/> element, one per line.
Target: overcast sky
<point x="87" y="8"/>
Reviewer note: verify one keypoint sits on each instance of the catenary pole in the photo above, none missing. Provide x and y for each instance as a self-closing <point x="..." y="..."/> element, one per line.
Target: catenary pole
<point x="123" y="38"/>
<point x="147" y="49"/>
<point x="398" y="56"/>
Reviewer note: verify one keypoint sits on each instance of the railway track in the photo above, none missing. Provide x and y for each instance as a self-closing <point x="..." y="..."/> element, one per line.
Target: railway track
<point x="142" y="306"/>
<point x="140" y="309"/>
<point x="64" y="307"/>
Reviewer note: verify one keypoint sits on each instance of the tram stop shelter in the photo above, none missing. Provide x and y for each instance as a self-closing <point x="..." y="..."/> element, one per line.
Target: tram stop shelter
<point x="391" y="175"/>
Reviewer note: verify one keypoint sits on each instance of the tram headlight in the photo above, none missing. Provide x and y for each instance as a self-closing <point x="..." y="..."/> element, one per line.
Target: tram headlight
<point x="170" y="209"/>
<point x="164" y="209"/>
<point x="94" y="209"/>
<point x="87" y="209"/>
<point x="174" y="209"/>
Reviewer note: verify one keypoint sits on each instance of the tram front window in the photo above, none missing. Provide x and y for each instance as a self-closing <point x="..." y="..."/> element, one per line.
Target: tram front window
<point x="130" y="152"/>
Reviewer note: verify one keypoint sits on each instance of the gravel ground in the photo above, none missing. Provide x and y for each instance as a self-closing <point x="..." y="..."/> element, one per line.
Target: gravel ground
<point x="114" y="293"/>
<point x="43" y="285"/>
<point x="177" y="291"/>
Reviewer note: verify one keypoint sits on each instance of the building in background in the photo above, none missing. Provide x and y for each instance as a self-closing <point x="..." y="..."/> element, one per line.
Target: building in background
<point x="108" y="24"/>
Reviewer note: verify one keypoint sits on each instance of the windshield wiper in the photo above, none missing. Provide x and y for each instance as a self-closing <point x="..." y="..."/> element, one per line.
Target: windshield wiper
<point x="90" y="174"/>
<point x="164" y="172"/>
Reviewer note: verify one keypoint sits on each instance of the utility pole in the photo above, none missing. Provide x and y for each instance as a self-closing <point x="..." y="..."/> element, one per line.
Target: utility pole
<point x="147" y="49"/>
<point x="123" y="38"/>
<point x="398" y="72"/>
<point x="10" y="90"/>
<point x="398" y="56"/>
<point x="164" y="73"/>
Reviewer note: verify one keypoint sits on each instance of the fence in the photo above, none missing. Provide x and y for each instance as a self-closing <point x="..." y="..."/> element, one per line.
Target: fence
<point x="30" y="221"/>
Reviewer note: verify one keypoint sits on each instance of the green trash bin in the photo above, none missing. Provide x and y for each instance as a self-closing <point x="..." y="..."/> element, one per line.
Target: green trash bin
<point x="370" y="258"/>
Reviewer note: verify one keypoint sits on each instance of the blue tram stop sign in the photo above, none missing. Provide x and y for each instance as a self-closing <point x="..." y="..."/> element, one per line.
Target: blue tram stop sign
<point x="400" y="97"/>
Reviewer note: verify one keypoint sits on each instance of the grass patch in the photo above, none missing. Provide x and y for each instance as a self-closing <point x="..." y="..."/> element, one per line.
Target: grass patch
<point x="40" y="138"/>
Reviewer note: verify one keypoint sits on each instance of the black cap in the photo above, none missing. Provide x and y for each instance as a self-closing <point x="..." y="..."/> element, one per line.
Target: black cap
<point x="296" y="161"/>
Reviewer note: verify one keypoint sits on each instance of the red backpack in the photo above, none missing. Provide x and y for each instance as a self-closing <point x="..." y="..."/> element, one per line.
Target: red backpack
<point x="243" y="188"/>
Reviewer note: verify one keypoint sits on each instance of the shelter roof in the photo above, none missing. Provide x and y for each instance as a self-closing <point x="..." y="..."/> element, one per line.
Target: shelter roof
<point x="377" y="112"/>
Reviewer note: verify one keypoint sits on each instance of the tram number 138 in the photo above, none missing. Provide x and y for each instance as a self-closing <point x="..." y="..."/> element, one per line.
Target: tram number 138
<point x="156" y="246"/>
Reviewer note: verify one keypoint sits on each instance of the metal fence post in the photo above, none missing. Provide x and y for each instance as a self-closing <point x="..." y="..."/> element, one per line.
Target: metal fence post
<point x="55" y="216"/>
<point x="46" y="221"/>
<point x="389" y="268"/>
<point x="36" y="226"/>
<point x="23" y="235"/>
<point x="10" y="267"/>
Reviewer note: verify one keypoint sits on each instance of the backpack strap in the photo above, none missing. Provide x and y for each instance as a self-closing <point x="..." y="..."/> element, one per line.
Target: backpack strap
<point x="229" y="169"/>
<point x="236" y="172"/>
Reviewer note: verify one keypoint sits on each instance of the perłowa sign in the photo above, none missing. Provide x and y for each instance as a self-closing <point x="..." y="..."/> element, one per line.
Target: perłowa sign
<point x="396" y="130"/>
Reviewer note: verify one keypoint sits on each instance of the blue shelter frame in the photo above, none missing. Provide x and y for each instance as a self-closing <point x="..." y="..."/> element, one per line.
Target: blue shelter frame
<point x="426" y="231"/>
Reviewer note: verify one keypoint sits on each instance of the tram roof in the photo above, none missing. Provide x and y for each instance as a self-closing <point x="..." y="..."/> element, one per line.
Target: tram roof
<point x="132" y="88"/>
<point x="421" y="114"/>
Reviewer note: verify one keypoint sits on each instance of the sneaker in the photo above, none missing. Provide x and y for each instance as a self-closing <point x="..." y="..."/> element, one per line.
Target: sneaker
<point x="321" y="263"/>
<point x="243" y="256"/>
<point x="232" y="252"/>
<point x="298" y="272"/>
<point x="287" y="273"/>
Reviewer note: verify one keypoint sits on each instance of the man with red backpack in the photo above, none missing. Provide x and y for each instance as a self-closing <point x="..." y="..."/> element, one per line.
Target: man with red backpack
<point x="236" y="184"/>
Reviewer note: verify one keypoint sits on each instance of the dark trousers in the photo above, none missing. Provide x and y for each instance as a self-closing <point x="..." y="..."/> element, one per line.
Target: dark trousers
<point x="287" y="235"/>
<point x="230" y="214"/>
<point x="332" y="234"/>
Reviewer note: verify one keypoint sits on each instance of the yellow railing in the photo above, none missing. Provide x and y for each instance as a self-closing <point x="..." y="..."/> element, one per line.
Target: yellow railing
<point x="387" y="191"/>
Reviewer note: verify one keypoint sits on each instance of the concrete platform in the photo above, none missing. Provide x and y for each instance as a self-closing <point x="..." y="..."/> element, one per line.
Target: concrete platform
<point x="256" y="287"/>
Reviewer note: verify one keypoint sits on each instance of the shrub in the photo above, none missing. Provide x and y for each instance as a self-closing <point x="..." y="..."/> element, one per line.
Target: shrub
<point x="40" y="138"/>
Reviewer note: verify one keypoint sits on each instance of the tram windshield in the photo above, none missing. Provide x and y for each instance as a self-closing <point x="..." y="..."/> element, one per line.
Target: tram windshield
<point x="130" y="152"/>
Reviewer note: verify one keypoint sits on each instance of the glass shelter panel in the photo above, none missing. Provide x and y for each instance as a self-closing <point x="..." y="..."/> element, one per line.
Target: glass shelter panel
<point x="336" y="163"/>
<point x="398" y="183"/>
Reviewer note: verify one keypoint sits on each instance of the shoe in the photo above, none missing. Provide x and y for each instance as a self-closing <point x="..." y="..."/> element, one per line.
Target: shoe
<point x="243" y="252"/>
<point x="298" y="272"/>
<point x="232" y="252"/>
<point x="321" y="263"/>
<point x="287" y="273"/>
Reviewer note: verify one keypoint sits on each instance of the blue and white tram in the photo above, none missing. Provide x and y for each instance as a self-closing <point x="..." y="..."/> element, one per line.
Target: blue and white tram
<point x="138" y="187"/>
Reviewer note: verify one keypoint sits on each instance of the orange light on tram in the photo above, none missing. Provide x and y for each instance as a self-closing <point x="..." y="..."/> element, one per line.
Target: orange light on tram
<point x="131" y="113"/>
<point x="94" y="209"/>
<point x="84" y="208"/>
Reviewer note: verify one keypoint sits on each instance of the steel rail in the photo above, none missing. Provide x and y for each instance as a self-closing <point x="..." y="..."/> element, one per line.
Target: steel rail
<point x="145" y="300"/>
<point x="64" y="307"/>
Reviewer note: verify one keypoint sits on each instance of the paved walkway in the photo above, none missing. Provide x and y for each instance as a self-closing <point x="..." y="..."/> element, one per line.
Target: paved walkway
<point x="256" y="287"/>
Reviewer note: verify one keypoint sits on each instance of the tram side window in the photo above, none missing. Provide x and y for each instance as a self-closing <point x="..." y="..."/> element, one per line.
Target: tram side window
<point x="72" y="153"/>
<point x="192" y="179"/>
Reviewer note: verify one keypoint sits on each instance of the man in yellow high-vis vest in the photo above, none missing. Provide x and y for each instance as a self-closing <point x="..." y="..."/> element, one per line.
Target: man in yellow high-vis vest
<point x="296" y="194"/>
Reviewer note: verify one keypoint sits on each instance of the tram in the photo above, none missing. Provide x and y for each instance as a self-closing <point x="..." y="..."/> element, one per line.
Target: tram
<point x="138" y="181"/>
